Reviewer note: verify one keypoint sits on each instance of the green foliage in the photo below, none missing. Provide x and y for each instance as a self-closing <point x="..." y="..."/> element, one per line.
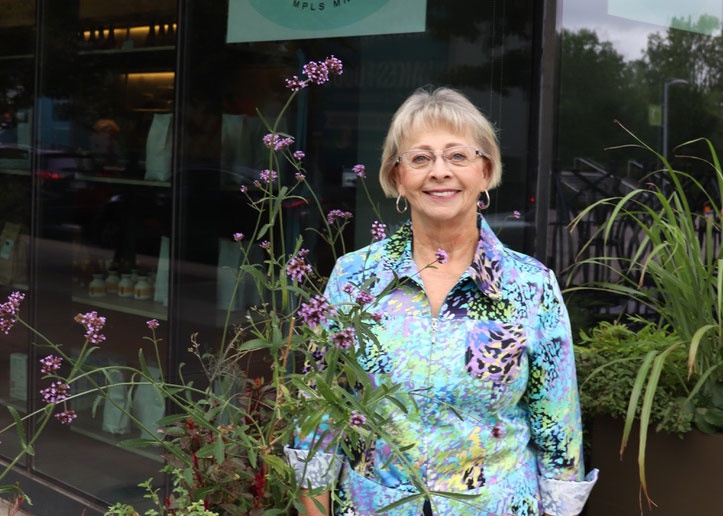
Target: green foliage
<point x="181" y="503"/>
<point x="675" y="270"/>
<point x="608" y="358"/>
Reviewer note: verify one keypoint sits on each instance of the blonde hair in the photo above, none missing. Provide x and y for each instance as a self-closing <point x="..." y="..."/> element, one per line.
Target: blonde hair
<point x="442" y="107"/>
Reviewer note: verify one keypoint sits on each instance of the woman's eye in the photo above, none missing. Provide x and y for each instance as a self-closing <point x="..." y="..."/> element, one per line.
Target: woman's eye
<point x="421" y="158"/>
<point x="457" y="157"/>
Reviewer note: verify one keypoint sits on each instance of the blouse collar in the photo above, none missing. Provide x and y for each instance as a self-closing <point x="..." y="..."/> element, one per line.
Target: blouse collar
<point x="485" y="269"/>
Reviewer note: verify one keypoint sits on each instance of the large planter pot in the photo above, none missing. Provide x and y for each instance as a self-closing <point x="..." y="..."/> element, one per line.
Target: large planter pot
<point x="684" y="475"/>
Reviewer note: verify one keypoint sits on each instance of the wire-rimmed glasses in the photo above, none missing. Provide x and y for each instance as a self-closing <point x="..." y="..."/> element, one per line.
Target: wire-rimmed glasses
<point x="423" y="159"/>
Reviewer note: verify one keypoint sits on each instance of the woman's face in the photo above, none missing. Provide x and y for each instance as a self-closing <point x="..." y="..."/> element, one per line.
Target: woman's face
<point x="445" y="192"/>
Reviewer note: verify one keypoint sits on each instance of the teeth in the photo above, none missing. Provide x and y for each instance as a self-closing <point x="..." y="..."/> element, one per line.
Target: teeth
<point x="441" y="194"/>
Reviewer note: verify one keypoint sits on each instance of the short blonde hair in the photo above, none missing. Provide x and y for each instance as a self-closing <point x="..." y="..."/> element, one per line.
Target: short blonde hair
<point x="442" y="107"/>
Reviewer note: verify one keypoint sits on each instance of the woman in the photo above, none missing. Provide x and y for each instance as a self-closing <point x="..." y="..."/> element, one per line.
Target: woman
<point x="483" y="333"/>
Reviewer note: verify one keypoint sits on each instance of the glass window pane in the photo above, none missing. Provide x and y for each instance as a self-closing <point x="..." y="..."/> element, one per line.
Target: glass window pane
<point x="17" y="62"/>
<point x="654" y="71"/>
<point x="102" y="162"/>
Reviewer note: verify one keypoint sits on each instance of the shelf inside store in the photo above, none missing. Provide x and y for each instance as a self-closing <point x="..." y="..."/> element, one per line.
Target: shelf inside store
<point x="129" y="305"/>
<point x="134" y="50"/>
<point x="17" y="57"/>
<point x="14" y="172"/>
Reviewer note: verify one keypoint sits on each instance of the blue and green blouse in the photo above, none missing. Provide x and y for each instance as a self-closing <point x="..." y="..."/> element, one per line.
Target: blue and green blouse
<point x="499" y="416"/>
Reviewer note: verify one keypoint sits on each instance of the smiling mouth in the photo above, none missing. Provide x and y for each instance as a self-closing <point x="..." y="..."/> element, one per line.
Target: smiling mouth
<point x="442" y="195"/>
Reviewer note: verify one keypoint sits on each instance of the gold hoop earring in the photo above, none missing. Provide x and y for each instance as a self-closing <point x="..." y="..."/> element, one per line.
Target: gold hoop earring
<point x="406" y="204"/>
<point x="482" y="205"/>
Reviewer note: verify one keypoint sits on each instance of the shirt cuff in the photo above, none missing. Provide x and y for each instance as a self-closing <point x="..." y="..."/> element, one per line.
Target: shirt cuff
<point x="317" y="471"/>
<point x="564" y="497"/>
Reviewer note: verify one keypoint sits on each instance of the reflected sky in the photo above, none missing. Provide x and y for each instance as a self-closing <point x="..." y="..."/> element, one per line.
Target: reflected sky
<point x="628" y="23"/>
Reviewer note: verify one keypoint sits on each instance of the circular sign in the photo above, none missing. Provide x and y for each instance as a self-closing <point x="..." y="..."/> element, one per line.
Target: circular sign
<point x="316" y="15"/>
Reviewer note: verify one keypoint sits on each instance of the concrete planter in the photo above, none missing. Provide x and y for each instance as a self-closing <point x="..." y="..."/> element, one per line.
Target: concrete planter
<point x="684" y="475"/>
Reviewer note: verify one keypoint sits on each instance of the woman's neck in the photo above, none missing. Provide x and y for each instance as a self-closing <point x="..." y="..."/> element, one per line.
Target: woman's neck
<point x="458" y="243"/>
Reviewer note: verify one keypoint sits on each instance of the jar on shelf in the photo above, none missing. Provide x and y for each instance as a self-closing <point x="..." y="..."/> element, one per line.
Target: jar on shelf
<point x="111" y="282"/>
<point x="97" y="286"/>
<point x="142" y="289"/>
<point x="125" y="286"/>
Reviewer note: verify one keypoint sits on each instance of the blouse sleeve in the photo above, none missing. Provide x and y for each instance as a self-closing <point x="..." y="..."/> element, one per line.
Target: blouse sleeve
<point x="554" y="409"/>
<point x="320" y="468"/>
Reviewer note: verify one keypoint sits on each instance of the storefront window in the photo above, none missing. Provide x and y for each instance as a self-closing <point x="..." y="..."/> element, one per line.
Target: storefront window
<point x="17" y="64"/>
<point x="102" y="221"/>
<point x="657" y="72"/>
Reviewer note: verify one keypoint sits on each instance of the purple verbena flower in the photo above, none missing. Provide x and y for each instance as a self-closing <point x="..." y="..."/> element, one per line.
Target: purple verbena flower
<point x="364" y="298"/>
<point x="343" y="339"/>
<point x="335" y="215"/>
<point x="268" y="176"/>
<point x="66" y="417"/>
<point x="93" y="325"/>
<point x="316" y="311"/>
<point x="441" y="256"/>
<point x="316" y="71"/>
<point x="360" y="171"/>
<point x="277" y="142"/>
<point x="265" y="245"/>
<point x="379" y="230"/>
<point x="357" y="419"/>
<point x="516" y="214"/>
<point x="348" y="288"/>
<point x="238" y="237"/>
<point x="299" y="154"/>
<point x="50" y="364"/>
<point x="152" y="324"/>
<point x="300" y="176"/>
<point x="57" y="392"/>
<point x="9" y="311"/>
<point x="244" y="188"/>
<point x="378" y="317"/>
<point x="497" y="430"/>
<point x="334" y="64"/>
<point x="297" y="268"/>
<point x="295" y="84"/>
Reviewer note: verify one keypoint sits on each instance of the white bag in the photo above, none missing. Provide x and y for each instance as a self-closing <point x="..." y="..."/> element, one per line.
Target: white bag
<point x="159" y="148"/>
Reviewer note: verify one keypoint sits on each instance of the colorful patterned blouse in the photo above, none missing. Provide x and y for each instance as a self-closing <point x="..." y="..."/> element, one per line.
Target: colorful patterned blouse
<point x="500" y="415"/>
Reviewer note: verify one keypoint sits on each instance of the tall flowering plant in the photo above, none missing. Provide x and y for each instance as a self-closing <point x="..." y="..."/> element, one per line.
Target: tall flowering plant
<point x="224" y="440"/>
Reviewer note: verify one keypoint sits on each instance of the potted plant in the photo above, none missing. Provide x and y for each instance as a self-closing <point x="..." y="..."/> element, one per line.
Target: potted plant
<point x="672" y="268"/>
<point x="224" y="437"/>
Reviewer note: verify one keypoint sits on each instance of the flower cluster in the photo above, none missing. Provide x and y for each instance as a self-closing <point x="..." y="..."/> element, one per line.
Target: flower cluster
<point x="343" y="339"/>
<point x="297" y="268"/>
<point x="357" y="419"/>
<point x="317" y="72"/>
<point x="360" y="171"/>
<point x="316" y="311"/>
<point x="268" y="176"/>
<point x="379" y="230"/>
<point x="93" y="325"/>
<point x="336" y="215"/>
<point x="9" y="311"/>
<point x="441" y="256"/>
<point x="50" y="364"/>
<point x="277" y="142"/>
<point x="57" y="392"/>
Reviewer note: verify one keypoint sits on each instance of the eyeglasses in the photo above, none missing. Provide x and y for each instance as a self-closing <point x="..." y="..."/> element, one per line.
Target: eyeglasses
<point x="421" y="159"/>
